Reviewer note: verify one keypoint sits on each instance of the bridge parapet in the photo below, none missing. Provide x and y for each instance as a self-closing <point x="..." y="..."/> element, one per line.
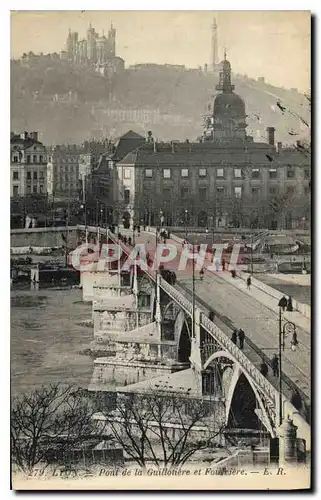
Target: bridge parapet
<point x="267" y="388"/>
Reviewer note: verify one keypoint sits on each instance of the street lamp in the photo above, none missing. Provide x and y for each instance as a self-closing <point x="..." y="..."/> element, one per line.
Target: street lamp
<point x="186" y="213"/>
<point x="284" y="330"/>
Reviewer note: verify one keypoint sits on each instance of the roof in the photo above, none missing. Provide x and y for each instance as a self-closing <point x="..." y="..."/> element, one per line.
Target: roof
<point x="208" y="154"/>
<point x="25" y="143"/>
<point x="127" y="143"/>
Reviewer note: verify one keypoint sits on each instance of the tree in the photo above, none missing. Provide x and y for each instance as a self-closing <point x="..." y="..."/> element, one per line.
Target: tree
<point x="161" y="428"/>
<point x="49" y="421"/>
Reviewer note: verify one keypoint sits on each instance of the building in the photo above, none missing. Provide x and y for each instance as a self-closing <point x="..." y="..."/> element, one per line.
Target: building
<point x="94" y="49"/>
<point x="63" y="171"/>
<point x="102" y="180"/>
<point x="225" y="179"/>
<point x="28" y="167"/>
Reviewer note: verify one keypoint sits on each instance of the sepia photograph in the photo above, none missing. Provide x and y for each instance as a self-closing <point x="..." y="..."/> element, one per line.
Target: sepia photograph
<point x="160" y="250"/>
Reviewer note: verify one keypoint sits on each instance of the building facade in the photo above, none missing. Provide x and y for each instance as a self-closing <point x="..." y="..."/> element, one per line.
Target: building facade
<point x="226" y="179"/>
<point x="28" y="167"/>
<point x="63" y="171"/>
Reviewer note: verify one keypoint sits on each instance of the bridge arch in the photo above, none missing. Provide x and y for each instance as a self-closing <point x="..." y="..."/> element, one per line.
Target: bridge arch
<point x="238" y="372"/>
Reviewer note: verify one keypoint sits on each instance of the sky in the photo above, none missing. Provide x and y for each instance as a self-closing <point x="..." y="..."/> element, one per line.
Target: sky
<point x="273" y="44"/>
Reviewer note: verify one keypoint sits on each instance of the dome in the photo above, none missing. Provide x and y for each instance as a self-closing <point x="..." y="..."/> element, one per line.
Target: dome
<point x="229" y="104"/>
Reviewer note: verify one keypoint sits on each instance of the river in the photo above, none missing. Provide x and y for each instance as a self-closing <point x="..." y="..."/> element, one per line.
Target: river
<point x="47" y="339"/>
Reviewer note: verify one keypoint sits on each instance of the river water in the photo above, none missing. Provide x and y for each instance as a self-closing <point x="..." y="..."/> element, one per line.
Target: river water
<point x="47" y="339"/>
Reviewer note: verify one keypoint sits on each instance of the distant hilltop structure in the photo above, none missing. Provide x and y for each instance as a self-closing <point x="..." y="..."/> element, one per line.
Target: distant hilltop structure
<point x="94" y="49"/>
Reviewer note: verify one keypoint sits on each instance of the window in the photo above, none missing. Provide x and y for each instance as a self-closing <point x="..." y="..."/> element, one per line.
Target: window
<point x="238" y="191"/>
<point x="256" y="192"/>
<point x="202" y="172"/>
<point x="290" y="172"/>
<point x="127" y="173"/>
<point x="15" y="159"/>
<point x="41" y="188"/>
<point x="184" y="192"/>
<point x="148" y="173"/>
<point x="166" y="173"/>
<point x="255" y="173"/>
<point x="15" y="176"/>
<point x="202" y="192"/>
<point x="34" y="158"/>
<point x="238" y="173"/>
<point x="110" y="164"/>
<point x="126" y="195"/>
<point x="272" y="190"/>
<point x="15" y="190"/>
<point x="220" y="172"/>
<point x="28" y="158"/>
<point x="35" y="148"/>
<point x="290" y="190"/>
<point x="40" y="159"/>
<point x="28" y="189"/>
<point x="166" y="193"/>
<point x="184" y="172"/>
<point x="35" y="176"/>
<point x="220" y="191"/>
<point x="41" y="175"/>
<point x="34" y="189"/>
<point x="272" y="173"/>
<point x="29" y="176"/>
<point x="306" y="173"/>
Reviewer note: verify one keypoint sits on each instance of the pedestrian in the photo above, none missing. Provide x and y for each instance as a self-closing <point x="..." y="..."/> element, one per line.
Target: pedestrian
<point x="264" y="369"/>
<point x="201" y="274"/>
<point x="241" y="336"/>
<point x="248" y="282"/>
<point x="129" y="241"/>
<point x="211" y="316"/>
<point x="234" y="336"/>
<point x="223" y="264"/>
<point x="125" y="240"/>
<point x="144" y="227"/>
<point x="294" y="341"/>
<point x="296" y="400"/>
<point x="275" y="365"/>
<point x="138" y="229"/>
<point x="289" y="306"/>
<point x="217" y="265"/>
<point x="283" y="302"/>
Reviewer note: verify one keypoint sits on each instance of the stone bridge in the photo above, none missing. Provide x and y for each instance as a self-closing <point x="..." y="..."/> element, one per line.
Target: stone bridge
<point x="220" y="362"/>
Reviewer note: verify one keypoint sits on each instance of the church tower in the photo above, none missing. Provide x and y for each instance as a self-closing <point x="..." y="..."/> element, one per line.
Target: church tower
<point x="228" y="121"/>
<point x="112" y="40"/>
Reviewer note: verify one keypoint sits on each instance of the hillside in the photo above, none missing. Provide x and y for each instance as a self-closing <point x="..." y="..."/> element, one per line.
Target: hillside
<point x="69" y="104"/>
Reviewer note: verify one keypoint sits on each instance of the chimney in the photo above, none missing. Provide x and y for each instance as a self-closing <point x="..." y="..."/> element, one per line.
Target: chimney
<point x="279" y="146"/>
<point x="155" y="149"/>
<point x="34" y="136"/>
<point x="173" y="147"/>
<point x="270" y="132"/>
<point x="26" y="135"/>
